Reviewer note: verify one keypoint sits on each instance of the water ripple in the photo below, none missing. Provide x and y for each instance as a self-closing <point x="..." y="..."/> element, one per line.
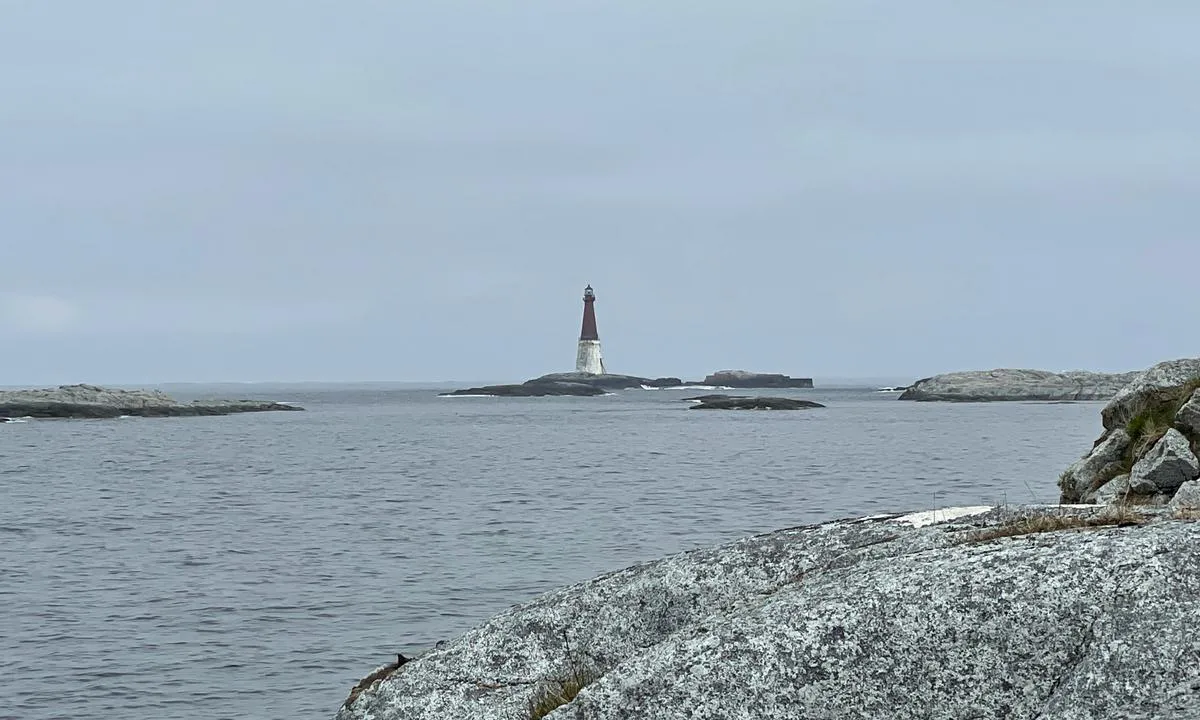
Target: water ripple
<point x="259" y="565"/>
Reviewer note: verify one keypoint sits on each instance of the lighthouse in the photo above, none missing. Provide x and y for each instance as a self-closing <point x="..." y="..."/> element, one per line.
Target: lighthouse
<point x="588" y="359"/>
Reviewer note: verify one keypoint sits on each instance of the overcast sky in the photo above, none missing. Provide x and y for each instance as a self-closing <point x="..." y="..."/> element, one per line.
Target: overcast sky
<point x="202" y="190"/>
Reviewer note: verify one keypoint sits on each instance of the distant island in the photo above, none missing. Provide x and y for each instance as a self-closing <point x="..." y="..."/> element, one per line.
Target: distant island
<point x="588" y="384"/>
<point x="745" y="379"/>
<point x="92" y="401"/>
<point x="1015" y="385"/>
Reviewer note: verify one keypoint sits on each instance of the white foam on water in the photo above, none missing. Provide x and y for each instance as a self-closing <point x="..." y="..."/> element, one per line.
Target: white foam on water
<point x="468" y="396"/>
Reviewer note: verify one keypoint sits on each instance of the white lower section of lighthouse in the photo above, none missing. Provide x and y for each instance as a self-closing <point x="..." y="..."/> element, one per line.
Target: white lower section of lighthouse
<point x="588" y="359"/>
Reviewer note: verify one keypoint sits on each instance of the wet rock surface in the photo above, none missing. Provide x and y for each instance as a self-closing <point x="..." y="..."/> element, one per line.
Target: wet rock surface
<point x="878" y="618"/>
<point x="92" y="401"/>
<point x="1016" y="385"/>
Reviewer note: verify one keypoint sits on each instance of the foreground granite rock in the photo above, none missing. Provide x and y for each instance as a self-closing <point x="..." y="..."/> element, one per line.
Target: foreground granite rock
<point x="1150" y="443"/>
<point x="746" y="379"/>
<point x="577" y="384"/>
<point x="91" y="401"/>
<point x="753" y="403"/>
<point x="1016" y="385"/>
<point x="916" y="616"/>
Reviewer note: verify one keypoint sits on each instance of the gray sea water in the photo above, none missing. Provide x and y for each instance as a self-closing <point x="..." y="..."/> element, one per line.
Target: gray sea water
<point x="257" y="566"/>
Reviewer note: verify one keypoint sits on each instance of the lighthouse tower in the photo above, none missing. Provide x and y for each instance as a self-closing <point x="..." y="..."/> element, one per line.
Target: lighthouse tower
<point x="588" y="359"/>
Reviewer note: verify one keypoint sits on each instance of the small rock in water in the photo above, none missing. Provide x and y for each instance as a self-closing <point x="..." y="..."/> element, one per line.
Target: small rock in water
<point x="755" y="403"/>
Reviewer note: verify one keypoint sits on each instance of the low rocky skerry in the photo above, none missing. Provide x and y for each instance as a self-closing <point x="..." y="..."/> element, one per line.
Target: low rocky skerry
<point x="1015" y="613"/>
<point x="745" y="379"/>
<point x="589" y="385"/>
<point x="92" y="401"/>
<point x="735" y="402"/>
<point x="576" y="384"/>
<point x="1017" y="385"/>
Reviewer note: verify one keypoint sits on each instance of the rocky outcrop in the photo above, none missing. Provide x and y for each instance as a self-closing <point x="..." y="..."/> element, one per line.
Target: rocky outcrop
<point x="1111" y="492"/>
<point x="970" y="613"/>
<point x="746" y="379"/>
<point x="578" y="384"/>
<point x="1188" y="417"/>
<point x="754" y="403"/>
<point x="1016" y="385"/>
<point x="1168" y="464"/>
<point x="1151" y="435"/>
<point x="1187" y="497"/>
<point x="91" y="401"/>
<point x="1106" y="461"/>
<point x="1155" y="387"/>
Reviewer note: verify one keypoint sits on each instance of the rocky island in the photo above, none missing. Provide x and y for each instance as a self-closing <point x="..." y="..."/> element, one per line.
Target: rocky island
<point x="590" y="384"/>
<point x="578" y="384"/>
<point x="746" y="379"/>
<point x="1021" y="613"/>
<point x="1016" y="385"/>
<point x="91" y="401"/>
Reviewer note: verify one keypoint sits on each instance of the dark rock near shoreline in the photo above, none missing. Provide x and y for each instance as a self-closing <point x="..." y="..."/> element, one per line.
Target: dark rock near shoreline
<point x="91" y="401"/>
<point x="746" y="379"/>
<point x="987" y="613"/>
<point x="754" y="403"/>
<point x="1016" y="385"/>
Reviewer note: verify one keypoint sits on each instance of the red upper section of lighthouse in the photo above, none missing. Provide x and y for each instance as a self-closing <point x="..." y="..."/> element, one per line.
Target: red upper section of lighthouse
<point x="589" y="316"/>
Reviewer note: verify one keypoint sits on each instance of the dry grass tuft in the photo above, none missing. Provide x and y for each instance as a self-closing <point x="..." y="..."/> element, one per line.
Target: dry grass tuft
<point x="560" y="691"/>
<point x="1115" y="516"/>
